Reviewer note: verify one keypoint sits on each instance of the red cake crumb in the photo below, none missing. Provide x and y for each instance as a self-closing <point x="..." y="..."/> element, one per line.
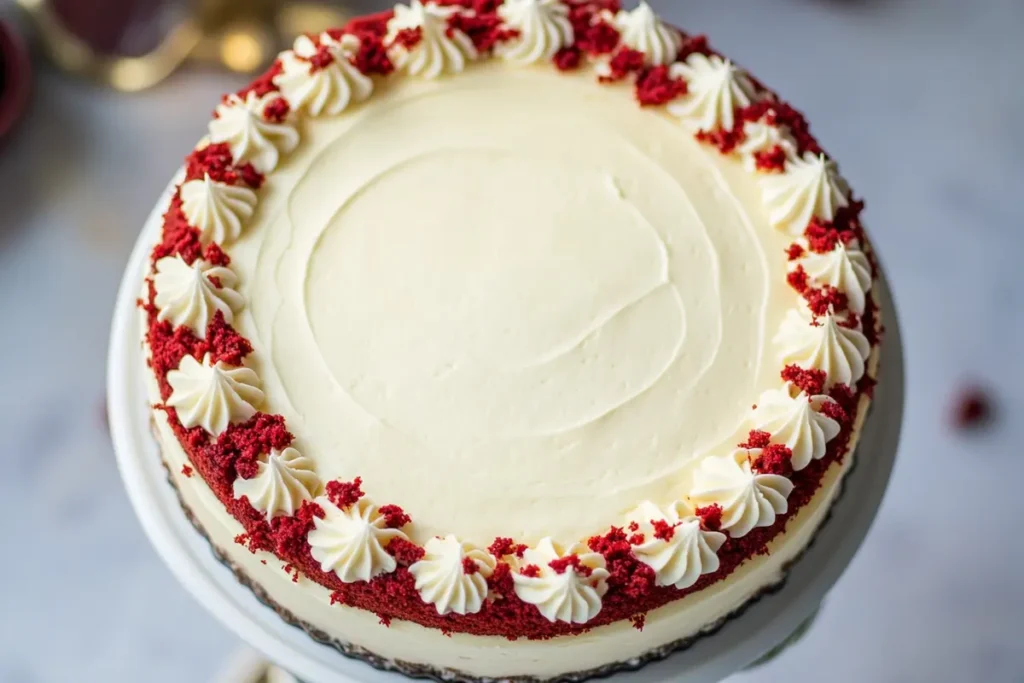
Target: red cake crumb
<point x="568" y="58"/>
<point x="500" y="582"/>
<point x="384" y="620"/>
<point x="216" y="161"/>
<point x="626" y="61"/>
<point x="771" y="160"/>
<point x="794" y="251"/>
<point x="638" y="621"/>
<point x="823" y="236"/>
<point x="655" y="87"/>
<point x="821" y="301"/>
<point x="186" y="471"/>
<point x="756" y="439"/>
<point x="866" y="386"/>
<point x="344" y="494"/>
<point x="570" y="561"/>
<point x="338" y="597"/>
<point x="710" y="516"/>
<point x="593" y="35"/>
<point x="972" y="407"/>
<point x="633" y="526"/>
<point x="506" y="546"/>
<point x="724" y="140"/>
<point x="637" y="538"/>
<point x="277" y="110"/>
<point x="844" y="396"/>
<point x="406" y="552"/>
<point x="797" y="279"/>
<point x="531" y="570"/>
<point x="408" y="37"/>
<point x="372" y="56"/>
<point x="663" y="530"/>
<point x="810" y="381"/>
<point x="483" y="27"/>
<point x="835" y="411"/>
<point x="469" y="566"/>
<point x="694" y="44"/>
<point x="394" y="516"/>
<point x="774" y="459"/>
<point x="292" y="571"/>
<point x="264" y="83"/>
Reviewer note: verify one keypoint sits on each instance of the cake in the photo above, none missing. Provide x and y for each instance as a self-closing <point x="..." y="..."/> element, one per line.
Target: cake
<point x="526" y="340"/>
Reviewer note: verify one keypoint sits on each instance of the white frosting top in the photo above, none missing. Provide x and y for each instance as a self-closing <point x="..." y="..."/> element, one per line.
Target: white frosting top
<point x="284" y="479"/>
<point x="641" y="29"/>
<point x="441" y="49"/>
<point x="797" y="422"/>
<point x="846" y="268"/>
<point x="185" y="294"/>
<point x="558" y="341"/>
<point x="822" y="343"/>
<point x="748" y="499"/>
<point x="543" y="27"/>
<point x="810" y="187"/>
<point x="682" y="558"/>
<point x="352" y="542"/>
<point x="715" y="89"/>
<point x="252" y="138"/>
<point x="216" y="209"/>
<point x="570" y="595"/>
<point x="442" y="578"/>
<point x="761" y="136"/>
<point x="213" y="396"/>
<point x="327" y="90"/>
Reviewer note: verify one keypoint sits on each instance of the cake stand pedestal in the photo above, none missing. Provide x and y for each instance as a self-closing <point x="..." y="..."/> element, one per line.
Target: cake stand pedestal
<point x="763" y="626"/>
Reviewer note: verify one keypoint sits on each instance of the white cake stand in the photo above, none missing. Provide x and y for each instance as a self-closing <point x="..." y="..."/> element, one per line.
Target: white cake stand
<point x="763" y="626"/>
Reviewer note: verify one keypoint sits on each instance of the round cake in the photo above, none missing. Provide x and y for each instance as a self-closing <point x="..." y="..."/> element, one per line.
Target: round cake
<point x="526" y="339"/>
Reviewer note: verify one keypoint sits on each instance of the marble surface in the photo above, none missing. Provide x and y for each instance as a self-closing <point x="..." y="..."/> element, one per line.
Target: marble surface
<point x="908" y="94"/>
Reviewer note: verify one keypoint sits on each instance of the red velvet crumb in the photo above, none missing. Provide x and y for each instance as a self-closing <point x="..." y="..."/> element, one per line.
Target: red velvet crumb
<point x="506" y="546"/>
<point x="811" y="382"/>
<point x="710" y="516"/>
<point x="828" y="297"/>
<point x="663" y="530"/>
<point x="531" y="570"/>
<point x="774" y="459"/>
<point x="563" y="563"/>
<point x="972" y="408"/>
<point x="655" y="87"/>
<point x="771" y="160"/>
<point x="756" y="439"/>
<point x="321" y="59"/>
<point x="394" y="516"/>
<point x="797" y="278"/>
<point x="835" y="411"/>
<point x="694" y="44"/>
<point x="186" y="471"/>
<point x="406" y="552"/>
<point x="345" y="494"/>
<point x="469" y="566"/>
<point x="216" y="161"/>
<point x="625" y="62"/>
<point x="568" y="58"/>
<point x="277" y="110"/>
<point x="638" y="621"/>
<point x="483" y="26"/>
<point x="794" y="251"/>
<point x="372" y="56"/>
<point x="408" y="37"/>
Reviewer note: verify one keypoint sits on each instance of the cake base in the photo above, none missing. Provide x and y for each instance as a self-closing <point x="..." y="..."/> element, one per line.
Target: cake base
<point x="717" y="652"/>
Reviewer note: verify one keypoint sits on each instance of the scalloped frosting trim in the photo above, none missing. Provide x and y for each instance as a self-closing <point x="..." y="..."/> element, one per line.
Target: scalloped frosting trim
<point x="733" y="494"/>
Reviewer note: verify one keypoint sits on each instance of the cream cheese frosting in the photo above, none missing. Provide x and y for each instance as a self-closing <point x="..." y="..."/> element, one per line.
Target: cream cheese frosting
<point x="213" y="395"/>
<point x="187" y="294"/>
<point x="543" y="27"/>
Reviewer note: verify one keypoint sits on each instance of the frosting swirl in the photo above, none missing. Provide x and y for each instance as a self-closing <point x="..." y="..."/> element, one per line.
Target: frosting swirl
<point x="715" y="88"/>
<point x="680" y="551"/>
<point x="543" y="27"/>
<point x="213" y="395"/>
<point x="761" y="136"/>
<point x="748" y="499"/>
<point x="845" y="267"/>
<point x="252" y="138"/>
<point x="322" y="89"/>
<point x="642" y="30"/>
<point x="563" y="591"/>
<point x="440" y="49"/>
<point x="452" y="576"/>
<point x="351" y="542"/>
<point x="284" y="479"/>
<point x="796" y="422"/>
<point x="186" y="295"/>
<point x="216" y="209"/>
<point x="810" y="187"/>
<point x="824" y="344"/>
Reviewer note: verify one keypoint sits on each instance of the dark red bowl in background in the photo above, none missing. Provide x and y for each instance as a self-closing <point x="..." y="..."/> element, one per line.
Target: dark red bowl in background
<point x="15" y="78"/>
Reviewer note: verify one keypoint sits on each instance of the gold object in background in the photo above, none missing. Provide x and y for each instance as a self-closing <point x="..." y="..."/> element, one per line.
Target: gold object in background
<point x="240" y="35"/>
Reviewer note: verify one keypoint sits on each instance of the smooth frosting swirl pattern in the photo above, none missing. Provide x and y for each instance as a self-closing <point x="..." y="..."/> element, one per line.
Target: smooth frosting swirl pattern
<point x="352" y="542"/>
<point x="846" y="268"/>
<point x="186" y="294"/>
<point x="810" y="187"/>
<point x="326" y="89"/>
<point x="443" y="577"/>
<point x="715" y="88"/>
<point x="284" y="479"/>
<point x="216" y="209"/>
<point x="680" y="556"/>
<point x="642" y="30"/>
<point x="242" y="124"/>
<point x="748" y="499"/>
<point x="213" y="395"/>
<point x="543" y="27"/>
<point x="440" y="49"/>
<point x="761" y="136"/>
<point x="824" y="344"/>
<point x="797" y="422"/>
<point x="572" y="594"/>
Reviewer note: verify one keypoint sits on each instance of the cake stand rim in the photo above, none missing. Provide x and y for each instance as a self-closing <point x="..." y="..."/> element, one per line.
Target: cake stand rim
<point x="762" y="626"/>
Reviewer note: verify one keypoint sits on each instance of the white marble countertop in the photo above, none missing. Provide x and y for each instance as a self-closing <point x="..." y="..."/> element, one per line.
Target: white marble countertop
<point x="908" y="94"/>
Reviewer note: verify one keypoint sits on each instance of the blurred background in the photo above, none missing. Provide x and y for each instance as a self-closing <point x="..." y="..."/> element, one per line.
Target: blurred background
<point x="920" y="100"/>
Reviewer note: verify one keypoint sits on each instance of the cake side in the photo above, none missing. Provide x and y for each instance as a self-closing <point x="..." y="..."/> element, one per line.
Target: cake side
<point x="216" y="364"/>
